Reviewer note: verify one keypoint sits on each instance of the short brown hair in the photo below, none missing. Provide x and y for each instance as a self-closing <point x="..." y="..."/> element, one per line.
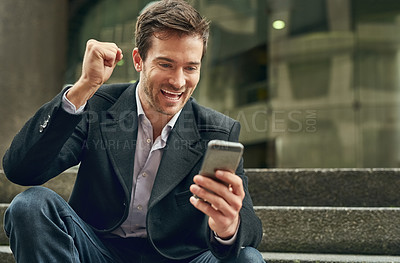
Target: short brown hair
<point x="169" y="17"/>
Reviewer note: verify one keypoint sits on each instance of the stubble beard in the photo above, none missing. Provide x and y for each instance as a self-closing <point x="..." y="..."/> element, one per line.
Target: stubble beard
<point x="152" y="100"/>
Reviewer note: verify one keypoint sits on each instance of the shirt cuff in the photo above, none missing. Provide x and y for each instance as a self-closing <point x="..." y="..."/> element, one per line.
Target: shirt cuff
<point x="229" y="241"/>
<point x="69" y="106"/>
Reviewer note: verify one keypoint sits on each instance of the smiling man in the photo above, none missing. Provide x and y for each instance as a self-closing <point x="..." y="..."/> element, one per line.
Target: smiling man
<point x="169" y="75"/>
<point x="140" y="147"/>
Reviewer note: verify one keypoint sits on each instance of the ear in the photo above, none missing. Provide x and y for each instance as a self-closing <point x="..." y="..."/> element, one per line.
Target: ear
<point x="137" y="60"/>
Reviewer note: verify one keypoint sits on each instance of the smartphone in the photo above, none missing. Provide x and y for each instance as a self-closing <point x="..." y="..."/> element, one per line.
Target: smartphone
<point x="221" y="155"/>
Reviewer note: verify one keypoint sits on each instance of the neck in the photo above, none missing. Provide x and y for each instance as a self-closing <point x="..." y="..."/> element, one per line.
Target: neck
<point x="157" y="119"/>
<point x="158" y="122"/>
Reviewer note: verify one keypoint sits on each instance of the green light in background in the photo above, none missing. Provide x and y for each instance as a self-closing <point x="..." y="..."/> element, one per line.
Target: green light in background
<point x="121" y="62"/>
<point x="278" y="24"/>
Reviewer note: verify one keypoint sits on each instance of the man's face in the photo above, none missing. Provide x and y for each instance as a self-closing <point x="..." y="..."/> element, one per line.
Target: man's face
<point x="170" y="73"/>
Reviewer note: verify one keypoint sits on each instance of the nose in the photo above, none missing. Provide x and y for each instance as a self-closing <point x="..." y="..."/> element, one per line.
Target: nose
<point x="177" y="79"/>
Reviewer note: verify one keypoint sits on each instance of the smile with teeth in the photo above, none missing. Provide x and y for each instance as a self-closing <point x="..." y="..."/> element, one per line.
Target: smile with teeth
<point x="172" y="95"/>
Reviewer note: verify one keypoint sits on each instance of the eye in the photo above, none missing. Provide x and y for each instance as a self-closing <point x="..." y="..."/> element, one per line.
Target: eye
<point x="191" y="68"/>
<point x="165" y="65"/>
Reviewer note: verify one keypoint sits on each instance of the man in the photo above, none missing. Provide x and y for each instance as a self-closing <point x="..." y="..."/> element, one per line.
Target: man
<point x="140" y="147"/>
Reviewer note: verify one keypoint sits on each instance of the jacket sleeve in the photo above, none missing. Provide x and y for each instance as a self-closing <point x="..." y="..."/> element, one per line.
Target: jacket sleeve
<point x="45" y="146"/>
<point x="250" y="228"/>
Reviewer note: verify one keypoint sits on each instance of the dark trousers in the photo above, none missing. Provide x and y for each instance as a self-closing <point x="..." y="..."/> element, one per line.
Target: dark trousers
<point x="42" y="227"/>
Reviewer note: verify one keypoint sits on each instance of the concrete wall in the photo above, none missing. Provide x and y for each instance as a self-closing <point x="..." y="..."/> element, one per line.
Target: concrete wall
<point x="33" y="42"/>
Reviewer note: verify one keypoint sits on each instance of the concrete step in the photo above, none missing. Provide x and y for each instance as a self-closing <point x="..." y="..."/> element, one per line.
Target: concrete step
<point x="284" y="187"/>
<point x="61" y="184"/>
<point x="339" y="211"/>
<point x="325" y="187"/>
<point x="334" y="230"/>
<point x="271" y="257"/>
<point x="3" y="237"/>
<point x="6" y="255"/>
<point x="337" y="230"/>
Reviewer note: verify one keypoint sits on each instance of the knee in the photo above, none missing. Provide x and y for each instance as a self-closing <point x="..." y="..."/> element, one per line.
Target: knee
<point x="30" y="202"/>
<point x="250" y="254"/>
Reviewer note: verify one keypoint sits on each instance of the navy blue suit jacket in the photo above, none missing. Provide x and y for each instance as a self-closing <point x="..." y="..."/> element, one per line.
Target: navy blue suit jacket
<point x="102" y="140"/>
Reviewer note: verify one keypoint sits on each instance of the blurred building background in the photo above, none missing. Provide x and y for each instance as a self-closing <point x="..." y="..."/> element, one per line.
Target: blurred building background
<point x="314" y="83"/>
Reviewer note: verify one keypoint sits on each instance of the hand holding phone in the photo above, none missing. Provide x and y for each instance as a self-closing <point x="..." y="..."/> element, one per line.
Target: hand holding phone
<point x="223" y="216"/>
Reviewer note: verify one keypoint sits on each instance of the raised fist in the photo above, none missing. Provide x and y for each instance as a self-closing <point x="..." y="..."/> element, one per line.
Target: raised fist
<point x="99" y="62"/>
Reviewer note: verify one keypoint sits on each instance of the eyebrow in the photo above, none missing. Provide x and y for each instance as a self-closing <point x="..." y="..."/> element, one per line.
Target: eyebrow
<point x="173" y="61"/>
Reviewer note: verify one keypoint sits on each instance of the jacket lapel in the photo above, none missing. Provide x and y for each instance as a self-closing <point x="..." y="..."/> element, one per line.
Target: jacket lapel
<point x="179" y="155"/>
<point x="119" y="131"/>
